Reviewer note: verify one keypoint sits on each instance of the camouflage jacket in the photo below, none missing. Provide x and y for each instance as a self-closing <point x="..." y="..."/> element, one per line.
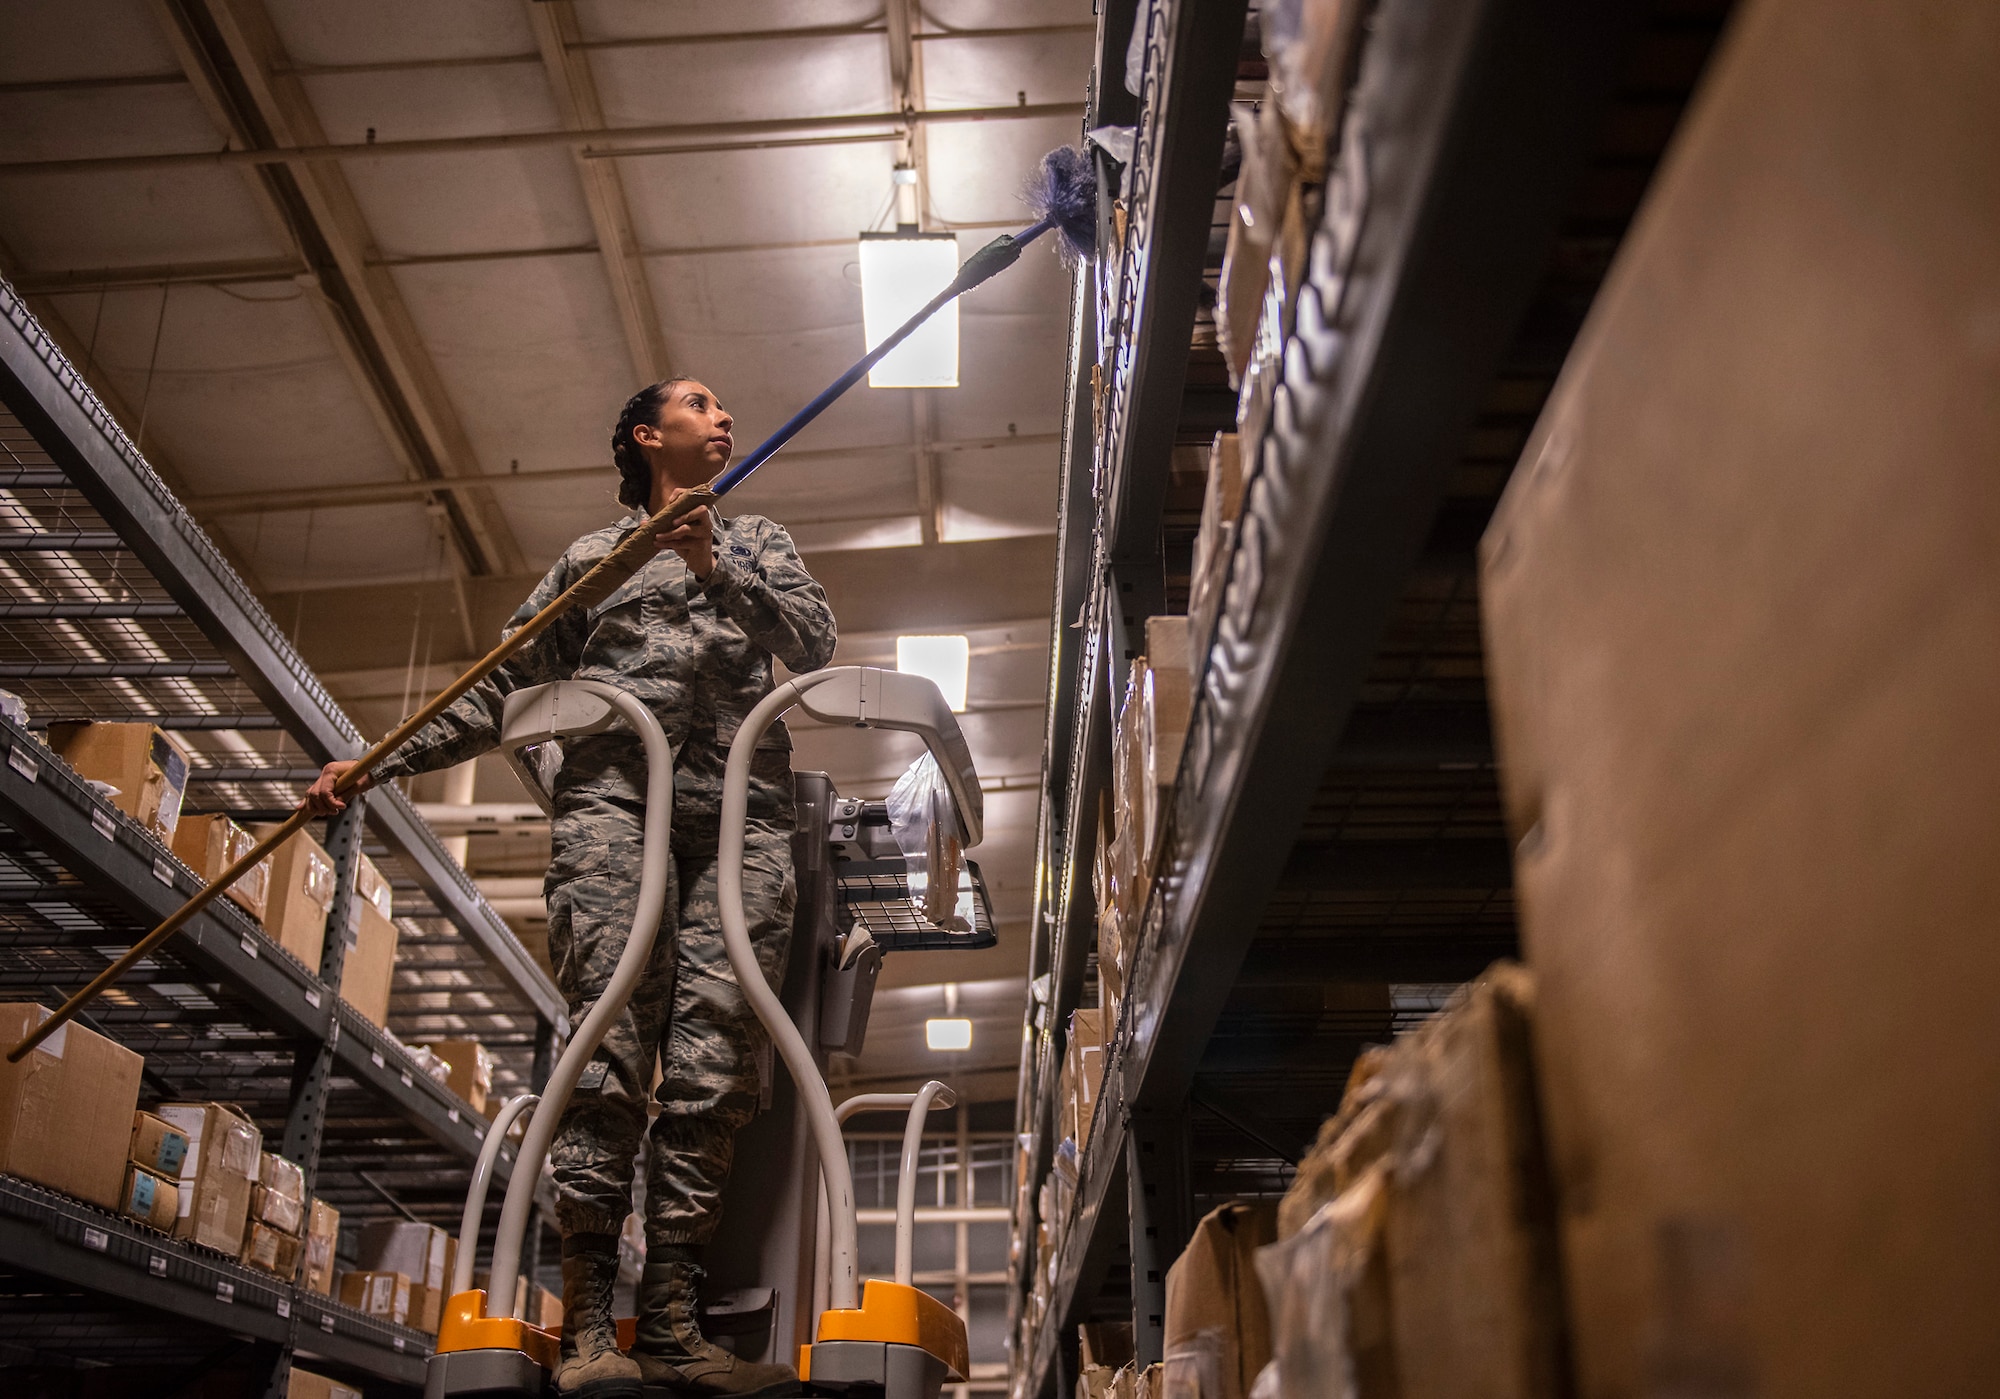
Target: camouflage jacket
<point x="699" y="655"/>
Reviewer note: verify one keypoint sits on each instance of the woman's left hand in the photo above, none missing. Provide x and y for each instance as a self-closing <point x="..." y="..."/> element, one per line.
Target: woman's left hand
<point x="693" y="538"/>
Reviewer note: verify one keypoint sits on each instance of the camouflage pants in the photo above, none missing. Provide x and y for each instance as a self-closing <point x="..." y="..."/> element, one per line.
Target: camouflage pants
<point x="687" y="1012"/>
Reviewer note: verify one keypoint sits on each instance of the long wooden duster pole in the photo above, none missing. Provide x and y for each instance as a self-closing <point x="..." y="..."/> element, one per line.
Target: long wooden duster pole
<point x="599" y="583"/>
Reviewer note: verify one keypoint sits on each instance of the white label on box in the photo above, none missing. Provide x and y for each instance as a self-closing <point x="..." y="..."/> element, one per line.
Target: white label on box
<point x="97" y="1239"/>
<point x="312" y="998"/>
<point x="58" y="1039"/>
<point x="163" y="870"/>
<point x="23" y="762"/>
<point x="101" y="822"/>
<point x="326" y="1322"/>
<point x="157" y="1265"/>
<point x="225" y="1291"/>
<point x="248" y="944"/>
<point x="284" y="1306"/>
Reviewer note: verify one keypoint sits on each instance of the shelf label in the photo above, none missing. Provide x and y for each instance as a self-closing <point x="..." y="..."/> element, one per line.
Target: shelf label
<point x="163" y="870"/>
<point x="312" y="997"/>
<point x="408" y="1082"/>
<point x="284" y="1306"/>
<point x="400" y="1343"/>
<point x="326" y="1322"/>
<point x="452" y="1114"/>
<point x="101" y="822"/>
<point x="225" y="1291"/>
<point x="248" y="944"/>
<point x="375" y="1059"/>
<point x="97" y="1239"/>
<point x="157" y="1265"/>
<point x="23" y="762"/>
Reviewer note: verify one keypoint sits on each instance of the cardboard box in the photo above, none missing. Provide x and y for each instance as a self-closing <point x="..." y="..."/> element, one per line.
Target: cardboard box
<point x="471" y="1070"/>
<point x="224" y="1148"/>
<point x="1166" y="703"/>
<point x="368" y="974"/>
<point x="1221" y="506"/>
<point x="283" y="1178"/>
<point x="150" y="1198"/>
<point x="278" y="1211"/>
<point x="417" y="1251"/>
<point x="147" y="766"/>
<point x="66" y="1108"/>
<point x="301" y="892"/>
<point x="1215" y="1304"/>
<point x="272" y="1250"/>
<point x="1263" y="184"/>
<point x="1741" y="603"/>
<point x="157" y="1145"/>
<point x="322" y="1240"/>
<point x="1082" y="1074"/>
<point x="383" y="1295"/>
<point x="373" y="887"/>
<point x="305" y="1384"/>
<point x="208" y="845"/>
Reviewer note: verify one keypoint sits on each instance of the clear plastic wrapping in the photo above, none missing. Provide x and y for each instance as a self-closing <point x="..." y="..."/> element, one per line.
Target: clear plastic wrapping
<point x="924" y="820"/>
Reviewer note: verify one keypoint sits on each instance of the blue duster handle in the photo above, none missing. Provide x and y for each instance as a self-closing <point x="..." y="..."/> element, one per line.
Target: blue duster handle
<point x="990" y="260"/>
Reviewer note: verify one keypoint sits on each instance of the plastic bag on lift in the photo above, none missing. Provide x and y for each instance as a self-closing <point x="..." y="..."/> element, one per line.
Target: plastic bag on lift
<point x="924" y="820"/>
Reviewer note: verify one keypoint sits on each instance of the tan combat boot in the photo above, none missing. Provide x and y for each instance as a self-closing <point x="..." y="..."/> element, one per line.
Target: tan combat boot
<point x="676" y="1359"/>
<point x="592" y="1367"/>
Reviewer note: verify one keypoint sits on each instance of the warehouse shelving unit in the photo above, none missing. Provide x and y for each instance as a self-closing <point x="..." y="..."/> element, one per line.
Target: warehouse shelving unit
<point x="1335" y="857"/>
<point x="118" y="607"/>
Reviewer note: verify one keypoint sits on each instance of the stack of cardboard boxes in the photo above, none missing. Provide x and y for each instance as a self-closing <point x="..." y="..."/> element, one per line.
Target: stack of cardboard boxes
<point x="404" y="1270"/>
<point x="274" y="1238"/>
<point x="301" y="893"/>
<point x="1414" y="1255"/>
<point x="145" y="770"/>
<point x="1149" y="734"/>
<point x="152" y="1192"/>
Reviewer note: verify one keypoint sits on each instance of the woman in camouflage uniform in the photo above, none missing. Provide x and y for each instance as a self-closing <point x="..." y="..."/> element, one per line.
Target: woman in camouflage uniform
<point x="693" y="634"/>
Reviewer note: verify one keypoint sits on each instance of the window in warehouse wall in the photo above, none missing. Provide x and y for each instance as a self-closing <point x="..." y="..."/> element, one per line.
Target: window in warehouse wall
<point x="960" y="1261"/>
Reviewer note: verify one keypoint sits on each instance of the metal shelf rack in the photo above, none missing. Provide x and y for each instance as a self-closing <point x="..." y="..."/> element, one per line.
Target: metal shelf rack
<point x="1334" y="855"/>
<point x="118" y="607"/>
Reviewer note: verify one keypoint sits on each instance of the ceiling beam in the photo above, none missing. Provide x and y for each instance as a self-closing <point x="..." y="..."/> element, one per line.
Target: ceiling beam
<point x="225" y="47"/>
<point x="288" y="115"/>
<point x="144" y="275"/>
<point x="568" y="71"/>
<point x="607" y="140"/>
<point x="52" y="281"/>
<point x="391" y="492"/>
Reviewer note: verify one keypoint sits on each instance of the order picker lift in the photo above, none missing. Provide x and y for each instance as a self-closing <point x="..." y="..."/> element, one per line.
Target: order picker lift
<point x="771" y="1263"/>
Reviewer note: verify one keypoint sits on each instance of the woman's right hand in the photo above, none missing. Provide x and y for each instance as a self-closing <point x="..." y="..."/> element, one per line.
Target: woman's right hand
<point x="320" y="799"/>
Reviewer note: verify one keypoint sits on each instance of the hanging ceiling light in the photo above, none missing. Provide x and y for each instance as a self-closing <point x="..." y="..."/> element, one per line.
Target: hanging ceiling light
<point x="950" y="1032"/>
<point x="900" y="272"/>
<point x="945" y="661"/>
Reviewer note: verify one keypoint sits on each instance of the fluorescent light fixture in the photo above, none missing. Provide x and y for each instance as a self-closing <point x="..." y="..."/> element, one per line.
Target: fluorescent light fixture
<point x="900" y="273"/>
<point x="948" y="1035"/>
<point x="942" y="660"/>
